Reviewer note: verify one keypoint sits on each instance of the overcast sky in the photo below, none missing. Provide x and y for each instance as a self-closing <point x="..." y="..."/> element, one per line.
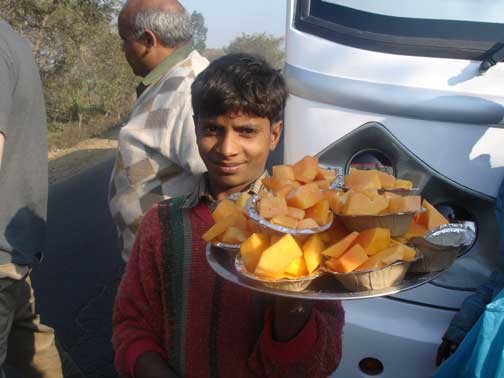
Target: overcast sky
<point x="227" y="19"/>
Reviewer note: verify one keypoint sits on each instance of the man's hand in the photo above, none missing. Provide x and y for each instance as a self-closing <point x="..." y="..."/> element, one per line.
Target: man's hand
<point x="445" y="350"/>
<point x="290" y="316"/>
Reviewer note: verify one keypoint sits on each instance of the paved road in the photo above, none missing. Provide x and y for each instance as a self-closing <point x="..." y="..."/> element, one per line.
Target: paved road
<point x="76" y="284"/>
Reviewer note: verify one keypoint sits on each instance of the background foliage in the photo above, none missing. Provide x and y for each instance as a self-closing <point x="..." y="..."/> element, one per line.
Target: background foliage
<point x="88" y="85"/>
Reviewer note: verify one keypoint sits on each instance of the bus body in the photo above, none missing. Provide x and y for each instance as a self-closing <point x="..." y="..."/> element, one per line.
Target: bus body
<point x="399" y="86"/>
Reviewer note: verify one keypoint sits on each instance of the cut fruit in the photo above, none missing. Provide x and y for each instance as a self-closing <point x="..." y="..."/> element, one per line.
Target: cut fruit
<point x="284" y="221"/>
<point x="405" y="204"/>
<point x="386" y="180"/>
<point x="252" y="248"/>
<point x="277" y="257"/>
<point x="217" y="229"/>
<point x="349" y="261"/>
<point x="295" y="213"/>
<point x="319" y="213"/>
<point x="342" y="246"/>
<point x="361" y="204"/>
<point x="360" y="179"/>
<point x="297" y="268"/>
<point x="306" y="224"/>
<point x="305" y="196"/>
<point x="312" y="250"/>
<point x="374" y="239"/>
<point x="234" y="235"/>
<point x="284" y="172"/>
<point x="306" y="169"/>
<point x="270" y="207"/>
<point x="431" y="218"/>
<point x="403" y="184"/>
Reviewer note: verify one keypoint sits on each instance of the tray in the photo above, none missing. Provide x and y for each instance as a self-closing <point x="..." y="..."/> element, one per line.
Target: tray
<point x="322" y="288"/>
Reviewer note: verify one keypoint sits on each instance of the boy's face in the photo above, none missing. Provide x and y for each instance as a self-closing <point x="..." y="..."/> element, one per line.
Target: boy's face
<point x="235" y="147"/>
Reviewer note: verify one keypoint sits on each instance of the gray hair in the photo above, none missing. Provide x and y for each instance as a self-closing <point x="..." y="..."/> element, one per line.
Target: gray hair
<point x="170" y="27"/>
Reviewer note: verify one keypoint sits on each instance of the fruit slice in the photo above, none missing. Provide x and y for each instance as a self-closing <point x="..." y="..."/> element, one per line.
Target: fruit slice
<point x="431" y="218"/>
<point x="326" y="174"/>
<point x="217" y="229"/>
<point x="319" y="213"/>
<point x="297" y="268"/>
<point x="252" y="248"/>
<point x="337" y="200"/>
<point x="386" y="180"/>
<point x="284" y="221"/>
<point x="307" y="223"/>
<point x="312" y="251"/>
<point x="360" y="179"/>
<point x="234" y="235"/>
<point x="270" y="207"/>
<point x="284" y="172"/>
<point x="305" y="196"/>
<point x="342" y="246"/>
<point x="405" y="204"/>
<point x="361" y="204"/>
<point x="403" y="184"/>
<point x="349" y="261"/>
<point x="277" y="257"/>
<point x="374" y="239"/>
<point x="306" y="169"/>
<point x="295" y="213"/>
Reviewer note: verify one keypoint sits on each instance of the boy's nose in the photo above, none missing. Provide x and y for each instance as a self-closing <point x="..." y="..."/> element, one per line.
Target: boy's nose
<point x="228" y="145"/>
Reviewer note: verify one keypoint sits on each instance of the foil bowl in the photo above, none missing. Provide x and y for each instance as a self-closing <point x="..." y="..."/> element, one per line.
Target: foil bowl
<point x="254" y="215"/>
<point x="440" y="247"/>
<point x="338" y="185"/>
<point x="397" y="223"/>
<point x="373" y="279"/>
<point x="233" y="248"/>
<point x="287" y="284"/>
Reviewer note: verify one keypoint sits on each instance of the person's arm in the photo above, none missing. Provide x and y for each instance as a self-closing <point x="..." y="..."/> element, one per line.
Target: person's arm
<point x="474" y="305"/>
<point x="299" y="339"/>
<point x="138" y="334"/>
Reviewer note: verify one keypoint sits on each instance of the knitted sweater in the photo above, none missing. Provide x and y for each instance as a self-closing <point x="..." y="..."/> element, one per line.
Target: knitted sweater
<point x="170" y="301"/>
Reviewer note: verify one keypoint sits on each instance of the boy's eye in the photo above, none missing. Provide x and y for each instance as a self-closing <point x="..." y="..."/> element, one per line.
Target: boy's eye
<point x="247" y="130"/>
<point x="209" y="129"/>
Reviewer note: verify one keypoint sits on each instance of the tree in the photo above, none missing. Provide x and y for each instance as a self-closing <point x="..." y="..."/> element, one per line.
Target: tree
<point x="199" y="31"/>
<point x="78" y="52"/>
<point x="269" y="47"/>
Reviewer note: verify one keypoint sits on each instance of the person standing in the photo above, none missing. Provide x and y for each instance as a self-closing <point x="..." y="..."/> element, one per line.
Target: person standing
<point x="157" y="155"/>
<point x="25" y="343"/>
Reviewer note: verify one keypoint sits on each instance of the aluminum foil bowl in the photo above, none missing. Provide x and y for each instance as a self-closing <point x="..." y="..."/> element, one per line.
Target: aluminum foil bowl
<point x="233" y="248"/>
<point x="338" y="185"/>
<point x="254" y="215"/>
<point x="440" y="247"/>
<point x="298" y="284"/>
<point x="373" y="279"/>
<point x="397" y="223"/>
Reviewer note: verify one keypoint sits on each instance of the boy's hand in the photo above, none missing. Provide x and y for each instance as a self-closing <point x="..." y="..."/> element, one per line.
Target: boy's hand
<point x="290" y="316"/>
<point x="445" y="350"/>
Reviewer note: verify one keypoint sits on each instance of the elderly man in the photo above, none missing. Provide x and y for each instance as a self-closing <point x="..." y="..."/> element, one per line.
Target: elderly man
<point x="157" y="155"/>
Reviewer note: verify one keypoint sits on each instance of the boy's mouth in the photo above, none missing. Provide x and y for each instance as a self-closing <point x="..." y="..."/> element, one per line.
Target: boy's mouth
<point x="228" y="168"/>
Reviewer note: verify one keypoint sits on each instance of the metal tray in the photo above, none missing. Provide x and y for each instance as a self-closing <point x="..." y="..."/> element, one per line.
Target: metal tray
<point x="322" y="288"/>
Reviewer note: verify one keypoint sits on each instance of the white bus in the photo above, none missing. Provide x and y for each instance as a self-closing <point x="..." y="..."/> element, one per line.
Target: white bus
<point x="416" y="87"/>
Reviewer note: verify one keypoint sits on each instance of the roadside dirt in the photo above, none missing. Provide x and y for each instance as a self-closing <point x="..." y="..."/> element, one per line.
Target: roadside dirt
<point x="69" y="162"/>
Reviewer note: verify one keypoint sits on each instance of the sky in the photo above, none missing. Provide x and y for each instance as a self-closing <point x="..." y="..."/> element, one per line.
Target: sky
<point x="227" y="19"/>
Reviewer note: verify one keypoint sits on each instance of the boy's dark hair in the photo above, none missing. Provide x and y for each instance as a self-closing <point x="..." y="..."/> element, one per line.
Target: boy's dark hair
<point x="239" y="83"/>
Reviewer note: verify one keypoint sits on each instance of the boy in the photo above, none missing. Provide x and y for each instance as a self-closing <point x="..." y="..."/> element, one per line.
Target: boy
<point x="173" y="315"/>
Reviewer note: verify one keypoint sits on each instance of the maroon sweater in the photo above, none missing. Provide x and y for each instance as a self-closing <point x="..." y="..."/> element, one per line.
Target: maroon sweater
<point x="170" y="301"/>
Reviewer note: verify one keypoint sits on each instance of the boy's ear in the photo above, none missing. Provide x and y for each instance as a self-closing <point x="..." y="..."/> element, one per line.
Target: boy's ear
<point x="275" y="134"/>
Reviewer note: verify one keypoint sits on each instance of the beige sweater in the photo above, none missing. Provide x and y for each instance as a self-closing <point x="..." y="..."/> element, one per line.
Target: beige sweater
<point x="157" y="155"/>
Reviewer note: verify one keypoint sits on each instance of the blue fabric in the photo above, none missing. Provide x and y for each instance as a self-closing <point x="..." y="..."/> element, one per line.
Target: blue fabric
<point x="481" y="353"/>
<point x="475" y="304"/>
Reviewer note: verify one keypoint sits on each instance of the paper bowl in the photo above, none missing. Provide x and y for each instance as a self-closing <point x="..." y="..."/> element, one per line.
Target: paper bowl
<point x="397" y="223"/>
<point x="297" y="284"/>
<point x="373" y="279"/>
<point x="254" y="215"/>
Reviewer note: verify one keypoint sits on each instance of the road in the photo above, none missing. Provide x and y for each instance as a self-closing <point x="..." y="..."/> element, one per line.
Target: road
<point x="76" y="283"/>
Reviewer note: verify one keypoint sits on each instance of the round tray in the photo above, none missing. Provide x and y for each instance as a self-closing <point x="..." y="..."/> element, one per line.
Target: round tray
<point x="322" y="288"/>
